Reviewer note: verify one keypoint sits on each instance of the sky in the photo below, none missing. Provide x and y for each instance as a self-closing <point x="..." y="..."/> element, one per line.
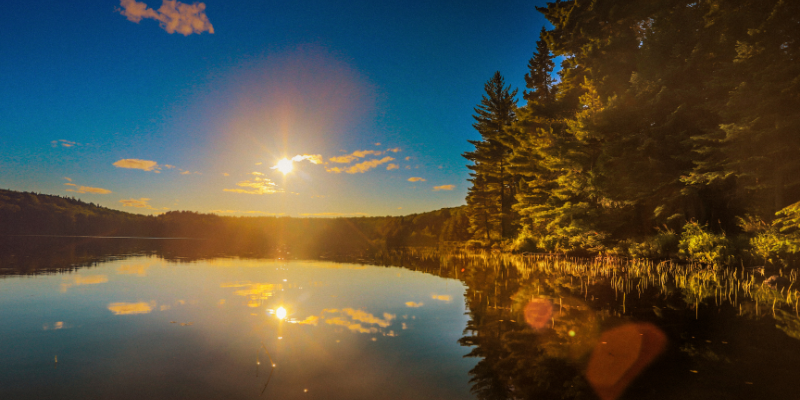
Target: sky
<point x="152" y="106"/>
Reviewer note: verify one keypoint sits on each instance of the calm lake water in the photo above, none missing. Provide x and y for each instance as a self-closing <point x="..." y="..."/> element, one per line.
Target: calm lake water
<point x="141" y="326"/>
<point x="91" y="318"/>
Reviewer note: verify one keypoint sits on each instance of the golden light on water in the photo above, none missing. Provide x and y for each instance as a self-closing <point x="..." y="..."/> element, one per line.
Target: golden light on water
<point x="280" y="313"/>
<point x="285" y="166"/>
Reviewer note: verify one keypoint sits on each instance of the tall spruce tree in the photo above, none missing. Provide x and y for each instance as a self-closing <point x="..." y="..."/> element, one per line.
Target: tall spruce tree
<point x="537" y="158"/>
<point x="493" y="188"/>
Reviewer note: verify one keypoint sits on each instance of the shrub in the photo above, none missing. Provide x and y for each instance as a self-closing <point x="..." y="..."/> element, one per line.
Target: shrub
<point x="662" y="245"/>
<point x="700" y="245"/>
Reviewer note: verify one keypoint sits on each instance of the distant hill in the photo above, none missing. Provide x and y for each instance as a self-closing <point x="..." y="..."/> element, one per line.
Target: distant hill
<point x="27" y="213"/>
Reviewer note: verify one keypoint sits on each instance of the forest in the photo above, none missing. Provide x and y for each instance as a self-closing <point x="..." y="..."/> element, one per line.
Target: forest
<point x="25" y="213"/>
<point x="671" y="128"/>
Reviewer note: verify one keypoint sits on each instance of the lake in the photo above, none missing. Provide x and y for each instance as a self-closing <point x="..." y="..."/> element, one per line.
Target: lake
<point x="142" y="326"/>
<point x="90" y="318"/>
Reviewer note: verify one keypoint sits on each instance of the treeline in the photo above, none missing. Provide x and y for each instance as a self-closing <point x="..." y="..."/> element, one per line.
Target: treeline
<point x="672" y="126"/>
<point x="38" y="214"/>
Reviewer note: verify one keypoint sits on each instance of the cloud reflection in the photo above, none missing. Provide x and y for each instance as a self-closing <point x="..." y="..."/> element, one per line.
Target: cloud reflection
<point x="131" y="308"/>
<point x="354" y="320"/>
<point x="255" y="292"/>
<point x="137" y="269"/>
<point x="84" y="280"/>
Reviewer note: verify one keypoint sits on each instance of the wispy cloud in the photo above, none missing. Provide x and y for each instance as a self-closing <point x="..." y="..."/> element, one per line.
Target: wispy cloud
<point x="394" y="150"/>
<point x="64" y="143"/>
<point x="354" y="156"/>
<point x="256" y="185"/>
<point x="134" y="163"/>
<point x="88" y="189"/>
<point x="392" y="166"/>
<point x="416" y="179"/>
<point x="173" y="16"/>
<point x="413" y="304"/>
<point x="360" y="168"/>
<point x="85" y="189"/>
<point x="313" y="158"/>
<point x="443" y="187"/>
<point x="140" y="203"/>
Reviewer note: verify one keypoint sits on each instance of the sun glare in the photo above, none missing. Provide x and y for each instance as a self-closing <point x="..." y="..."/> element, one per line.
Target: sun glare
<point x="285" y="166"/>
<point x="280" y="313"/>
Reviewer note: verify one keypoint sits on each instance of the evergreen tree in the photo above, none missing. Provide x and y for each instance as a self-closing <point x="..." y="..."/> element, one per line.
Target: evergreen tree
<point x="492" y="194"/>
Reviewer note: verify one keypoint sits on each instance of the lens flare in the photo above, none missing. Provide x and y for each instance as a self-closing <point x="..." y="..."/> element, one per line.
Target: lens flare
<point x="285" y="165"/>
<point x="280" y="313"/>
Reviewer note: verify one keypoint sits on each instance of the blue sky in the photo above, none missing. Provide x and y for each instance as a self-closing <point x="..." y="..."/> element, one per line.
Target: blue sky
<point x="165" y="115"/>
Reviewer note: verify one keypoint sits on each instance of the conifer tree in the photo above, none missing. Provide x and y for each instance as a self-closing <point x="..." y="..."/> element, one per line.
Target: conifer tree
<point x="492" y="194"/>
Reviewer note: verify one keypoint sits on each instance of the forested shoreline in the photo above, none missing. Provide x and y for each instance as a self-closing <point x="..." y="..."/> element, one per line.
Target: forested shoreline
<point x="671" y="129"/>
<point x="25" y="213"/>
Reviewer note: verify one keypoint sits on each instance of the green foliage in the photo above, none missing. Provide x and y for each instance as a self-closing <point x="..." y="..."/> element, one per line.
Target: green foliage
<point x="778" y="242"/>
<point x="662" y="245"/>
<point x="664" y="112"/>
<point x="699" y="245"/>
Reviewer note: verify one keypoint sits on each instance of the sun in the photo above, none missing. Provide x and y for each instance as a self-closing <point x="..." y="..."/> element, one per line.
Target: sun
<point x="285" y="165"/>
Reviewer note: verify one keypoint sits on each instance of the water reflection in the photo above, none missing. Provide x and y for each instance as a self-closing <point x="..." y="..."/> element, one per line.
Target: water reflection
<point x="192" y="329"/>
<point x="79" y="280"/>
<point x="551" y="327"/>
<point x="536" y="327"/>
<point x="131" y="308"/>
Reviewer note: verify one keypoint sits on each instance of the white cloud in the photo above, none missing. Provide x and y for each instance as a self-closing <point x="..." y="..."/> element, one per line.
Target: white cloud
<point x="360" y="168"/>
<point x="313" y="158"/>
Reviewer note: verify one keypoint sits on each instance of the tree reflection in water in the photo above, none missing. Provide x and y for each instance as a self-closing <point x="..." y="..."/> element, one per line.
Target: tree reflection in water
<point x="550" y="327"/>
